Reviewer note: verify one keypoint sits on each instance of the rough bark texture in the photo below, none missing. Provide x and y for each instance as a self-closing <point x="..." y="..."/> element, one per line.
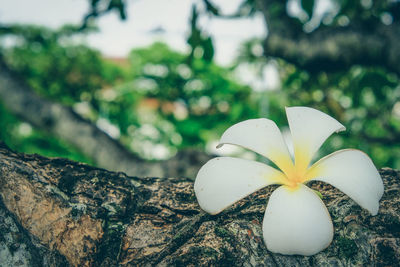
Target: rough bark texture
<point x="330" y="48"/>
<point x="55" y="212"/>
<point x="67" y="125"/>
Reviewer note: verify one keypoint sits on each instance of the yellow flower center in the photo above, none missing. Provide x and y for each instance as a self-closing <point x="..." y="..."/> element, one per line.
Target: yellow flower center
<point x="295" y="173"/>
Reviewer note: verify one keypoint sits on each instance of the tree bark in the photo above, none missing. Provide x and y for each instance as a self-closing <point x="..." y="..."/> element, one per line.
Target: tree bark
<point x="56" y="212"/>
<point x="67" y="125"/>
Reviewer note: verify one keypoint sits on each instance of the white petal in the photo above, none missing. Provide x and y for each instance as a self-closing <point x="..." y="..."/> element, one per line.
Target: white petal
<point x="261" y="136"/>
<point x="223" y="181"/>
<point x="309" y="129"/>
<point x="296" y="222"/>
<point x="353" y="173"/>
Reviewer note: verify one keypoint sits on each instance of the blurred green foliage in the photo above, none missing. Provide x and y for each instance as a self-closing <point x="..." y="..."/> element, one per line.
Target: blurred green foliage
<point x="21" y="136"/>
<point x="57" y="68"/>
<point x="364" y="99"/>
<point x="159" y="100"/>
<point x="198" y="98"/>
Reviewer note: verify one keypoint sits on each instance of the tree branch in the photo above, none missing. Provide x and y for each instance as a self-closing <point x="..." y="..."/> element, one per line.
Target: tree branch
<point x="58" y="212"/>
<point x="330" y="48"/>
<point x="99" y="8"/>
<point x="67" y="125"/>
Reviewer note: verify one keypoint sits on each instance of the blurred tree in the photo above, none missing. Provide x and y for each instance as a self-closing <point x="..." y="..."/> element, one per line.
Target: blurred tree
<point x="352" y="33"/>
<point x="343" y="61"/>
<point x="46" y="82"/>
<point x="199" y="99"/>
<point x="199" y="42"/>
<point x="195" y="101"/>
<point x="347" y="33"/>
<point x="57" y="68"/>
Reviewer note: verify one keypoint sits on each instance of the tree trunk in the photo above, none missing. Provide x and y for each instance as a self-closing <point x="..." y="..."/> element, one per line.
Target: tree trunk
<point x="56" y="212"/>
<point x="67" y="125"/>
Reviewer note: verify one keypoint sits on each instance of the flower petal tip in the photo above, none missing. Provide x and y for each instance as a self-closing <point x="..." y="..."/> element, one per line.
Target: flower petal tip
<point x="296" y="222"/>
<point x="374" y="210"/>
<point x="341" y="129"/>
<point x="223" y="181"/>
<point x="353" y="173"/>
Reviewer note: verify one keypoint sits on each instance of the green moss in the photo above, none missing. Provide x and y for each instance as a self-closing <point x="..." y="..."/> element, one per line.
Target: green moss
<point x="110" y="247"/>
<point x="347" y="247"/>
<point x="197" y="255"/>
<point x="228" y="255"/>
<point x="78" y="210"/>
<point x="319" y="194"/>
<point x="228" y="259"/>
<point x="386" y="256"/>
<point x="222" y="232"/>
<point x="68" y="180"/>
<point x="179" y="237"/>
<point x="185" y="197"/>
<point x="391" y="224"/>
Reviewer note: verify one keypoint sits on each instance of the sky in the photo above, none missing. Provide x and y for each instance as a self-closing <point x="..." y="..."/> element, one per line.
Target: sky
<point x="116" y="38"/>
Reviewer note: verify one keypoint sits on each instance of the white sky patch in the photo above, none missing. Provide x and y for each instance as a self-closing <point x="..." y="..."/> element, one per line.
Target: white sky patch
<point x="323" y="9"/>
<point x="43" y="12"/>
<point x="267" y="80"/>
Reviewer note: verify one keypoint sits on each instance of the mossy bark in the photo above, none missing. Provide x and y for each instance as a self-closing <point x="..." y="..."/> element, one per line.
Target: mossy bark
<point x="55" y="212"/>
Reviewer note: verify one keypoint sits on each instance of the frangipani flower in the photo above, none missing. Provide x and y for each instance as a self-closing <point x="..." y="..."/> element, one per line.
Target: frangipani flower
<point x="296" y="220"/>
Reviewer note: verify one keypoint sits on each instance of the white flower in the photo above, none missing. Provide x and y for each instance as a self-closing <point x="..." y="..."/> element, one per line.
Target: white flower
<point x="296" y="220"/>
